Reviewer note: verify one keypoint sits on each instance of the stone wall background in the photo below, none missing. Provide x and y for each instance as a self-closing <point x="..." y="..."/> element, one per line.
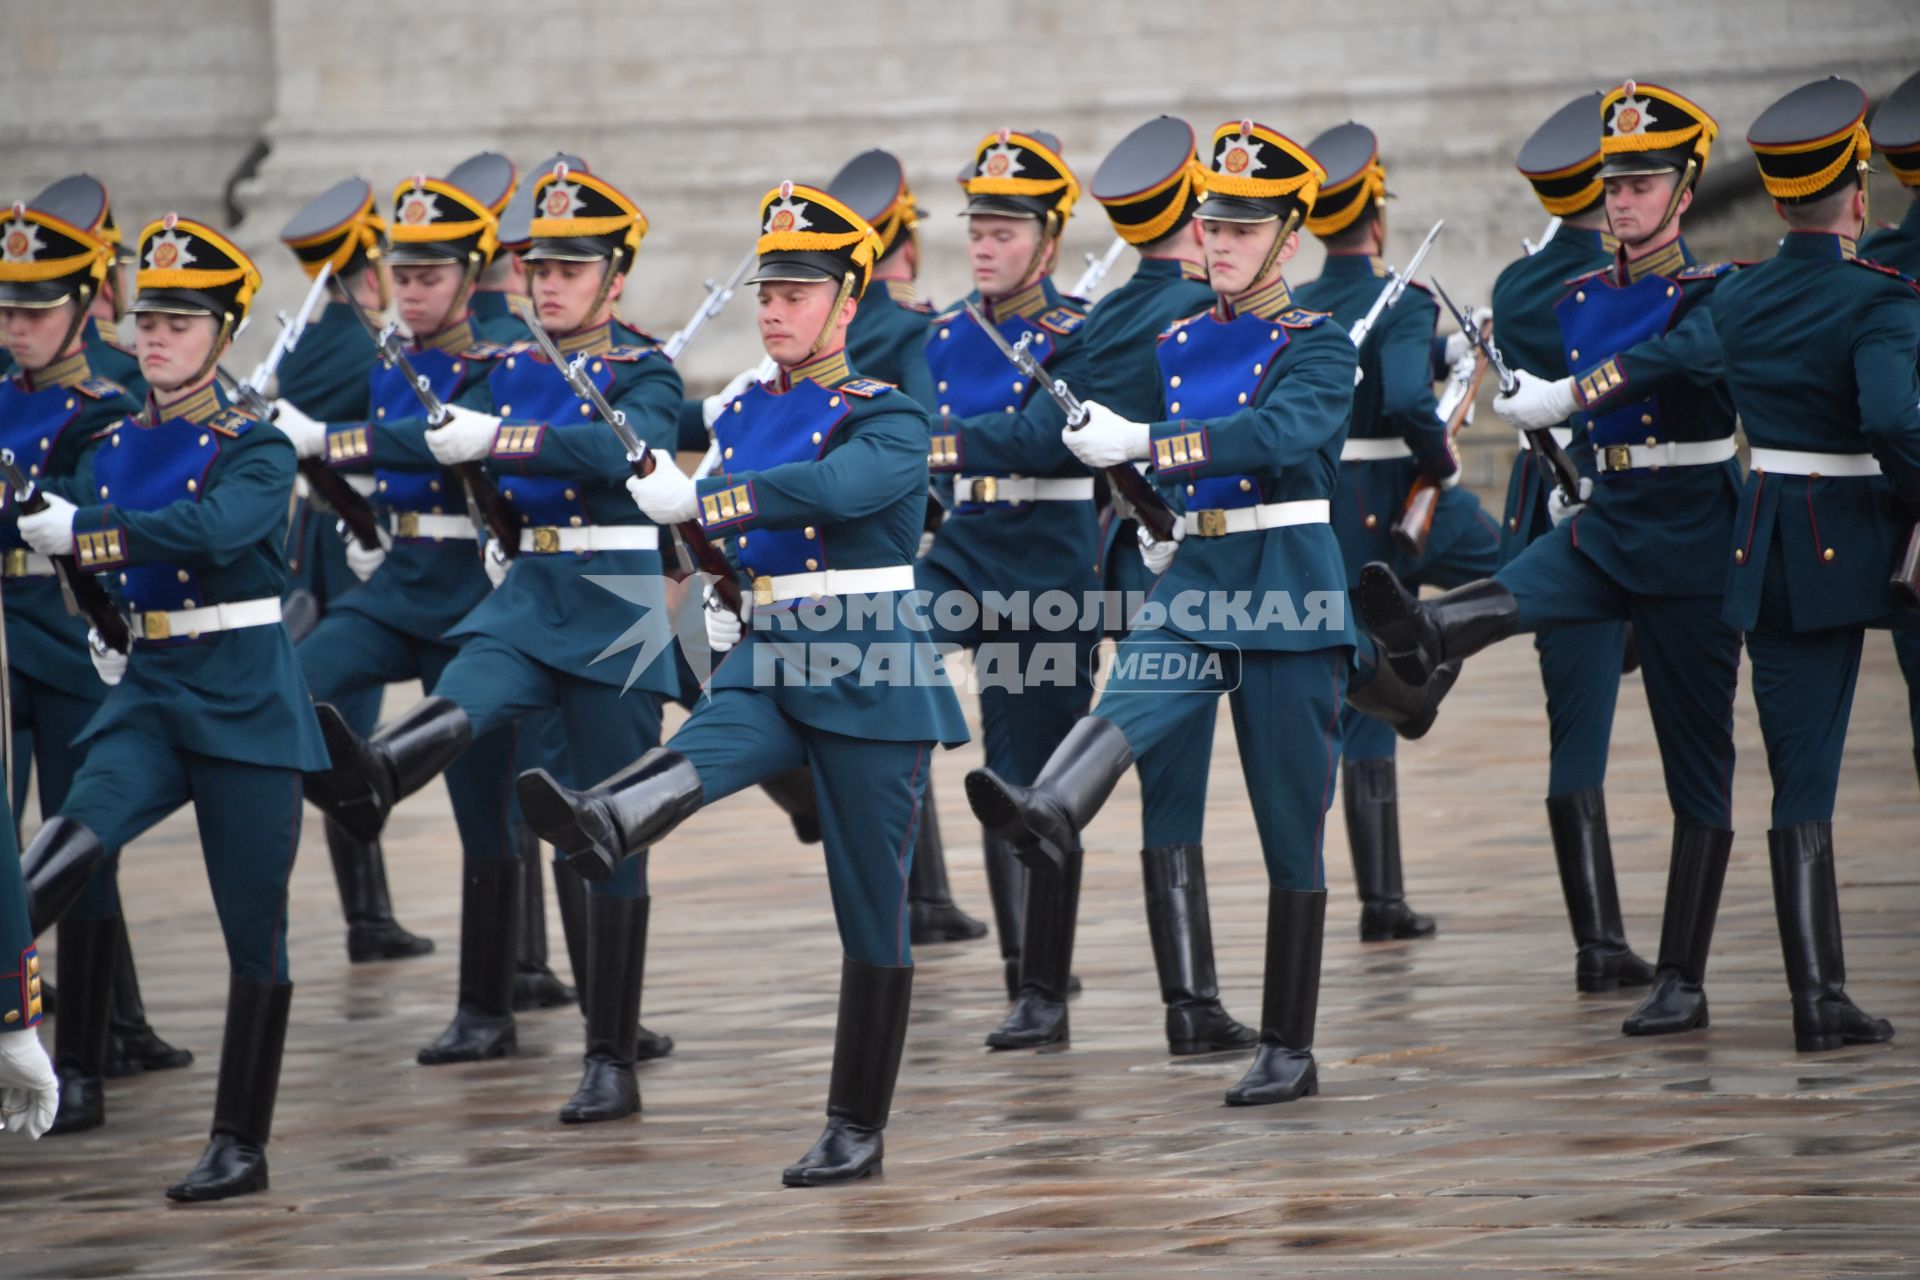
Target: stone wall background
<point x="697" y="106"/>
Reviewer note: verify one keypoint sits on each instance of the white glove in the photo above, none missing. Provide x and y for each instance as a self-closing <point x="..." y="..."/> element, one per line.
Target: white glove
<point x="108" y="662"/>
<point x="1562" y="508"/>
<point x="666" y="496"/>
<point x="495" y="562"/>
<point x="50" y="531"/>
<point x="926" y="544"/>
<point x="1458" y="347"/>
<point x="1107" y="439"/>
<point x="309" y="437"/>
<point x="29" y="1091"/>
<point x="714" y="405"/>
<point x="724" y="626"/>
<point x="466" y="436"/>
<point x="1536" y="402"/>
<point x="1158" y="555"/>
<point x="365" y="562"/>
<point x="1462" y="369"/>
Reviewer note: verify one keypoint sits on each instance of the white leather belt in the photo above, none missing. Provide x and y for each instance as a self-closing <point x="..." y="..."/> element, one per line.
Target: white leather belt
<point x="1689" y="453"/>
<point x="22" y="563"/>
<point x="833" y="582"/>
<point x="1562" y="436"/>
<point x="553" y="540"/>
<point x="413" y="524"/>
<point x="1023" y="489"/>
<point x="1219" y="522"/>
<point x="170" y="624"/>
<point x="1791" y="462"/>
<point x="1374" y="450"/>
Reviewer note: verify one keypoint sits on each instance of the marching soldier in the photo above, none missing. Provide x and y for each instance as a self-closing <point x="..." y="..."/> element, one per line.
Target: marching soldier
<point x="1819" y="351"/>
<point x="1395" y="438"/>
<point x="83" y="202"/>
<point x="822" y="466"/>
<point x="1149" y="185"/>
<point x="1023" y="520"/>
<point x="1579" y="665"/>
<point x="1256" y="398"/>
<point x="535" y="642"/>
<point x="425" y="577"/>
<point x="1639" y="544"/>
<point x="50" y="409"/>
<point x="325" y="379"/>
<point x="29" y="1090"/>
<point x="888" y="341"/>
<point x="185" y="515"/>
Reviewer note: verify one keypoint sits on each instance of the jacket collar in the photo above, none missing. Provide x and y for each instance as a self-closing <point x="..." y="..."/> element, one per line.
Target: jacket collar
<point x="829" y="370"/>
<point x="1668" y="260"/>
<point x="1815" y="246"/>
<point x="1266" y="302"/>
<point x="67" y="371"/>
<point x="456" y="338"/>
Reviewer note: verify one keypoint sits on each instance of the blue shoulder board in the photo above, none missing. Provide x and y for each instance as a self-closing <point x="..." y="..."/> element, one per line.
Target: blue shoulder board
<point x="98" y="388"/>
<point x="1591" y="275"/>
<point x="1171" y="329"/>
<point x="865" y="388"/>
<point x="1062" y="320"/>
<point x="231" y="423"/>
<point x="1301" y="318"/>
<point x="1705" y="271"/>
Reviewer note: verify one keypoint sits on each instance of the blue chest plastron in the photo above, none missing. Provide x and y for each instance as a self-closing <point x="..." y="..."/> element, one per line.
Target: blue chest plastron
<point x="1210" y="369"/>
<point x="970" y="374"/>
<point x="31" y="423"/>
<point x="145" y="469"/>
<point x="528" y="389"/>
<point x="1598" y="320"/>
<point x="393" y="400"/>
<point x="768" y="431"/>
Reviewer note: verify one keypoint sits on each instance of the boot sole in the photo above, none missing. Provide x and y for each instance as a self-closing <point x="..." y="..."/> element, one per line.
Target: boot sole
<point x="552" y="816"/>
<point x="357" y="808"/>
<point x="1699" y="1024"/>
<point x="999" y="1043"/>
<point x="805" y="1178"/>
<point x="997" y="811"/>
<point x="185" y="1193"/>
<point x="1310" y="1089"/>
<point x="1822" y="1044"/>
<point x="404" y="946"/>
<point x="1199" y="1048"/>
<point x="1381" y="603"/>
<point x="503" y="1048"/>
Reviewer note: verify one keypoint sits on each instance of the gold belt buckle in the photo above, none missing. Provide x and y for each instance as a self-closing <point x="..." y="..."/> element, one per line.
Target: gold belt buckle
<point x="406" y="524"/>
<point x="1618" y="457"/>
<point x="156" y="626"/>
<point x="1213" y="523"/>
<point x="762" y="589"/>
<point x="546" y="539"/>
<point x="17" y="563"/>
<point x="985" y="488"/>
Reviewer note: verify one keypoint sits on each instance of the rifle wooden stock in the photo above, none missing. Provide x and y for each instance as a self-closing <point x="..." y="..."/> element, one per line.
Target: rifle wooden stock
<point x="1153" y="514"/>
<point x="1906" y="579"/>
<point x="1415" y="525"/>
<point x="500" y="519"/>
<point x="89" y="599"/>
<point x="346" y="502"/>
<point x="712" y="560"/>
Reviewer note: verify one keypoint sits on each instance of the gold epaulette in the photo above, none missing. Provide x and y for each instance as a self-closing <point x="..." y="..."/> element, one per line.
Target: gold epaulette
<point x="231" y="423"/>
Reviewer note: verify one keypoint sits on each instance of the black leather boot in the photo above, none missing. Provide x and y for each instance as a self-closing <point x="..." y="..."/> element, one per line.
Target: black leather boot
<point x="360" y="870"/>
<point x="1371" y="796"/>
<point x="1584" y="855"/>
<point x="570" y="894"/>
<point x="1408" y="709"/>
<point x="1175" y="876"/>
<point x="482" y="1025"/>
<point x="598" y="828"/>
<point x="1283" y="1068"/>
<point x="235" y="1161"/>
<point x="931" y="915"/>
<point x="534" y="983"/>
<point x="133" y="1046"/>
<point x="617" y="958"/>
<point x="1007" y="890"/>
<point x="867" y="1043"/>
<point x="792" y="791"/>
<point x="368" y="777"/>
<point x="89" y="952"/>
<point x="1039" y="1014"/>
<point x="56" y="867"/>
<point x="1417" y="636"/>
<point x="1073" y="784"/>
<point x="1678" y="1001"/>
<point x="1806" y="902"/>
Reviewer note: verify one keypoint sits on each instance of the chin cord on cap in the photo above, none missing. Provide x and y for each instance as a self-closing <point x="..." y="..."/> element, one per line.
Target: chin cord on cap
<point x="245" y="276"/>
<point x="1288" y="226"/>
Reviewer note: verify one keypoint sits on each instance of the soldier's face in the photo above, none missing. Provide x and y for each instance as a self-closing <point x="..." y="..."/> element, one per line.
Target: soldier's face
<point x="563" y="292"/>
<point x="1635" y="204"/>
<point x="33" y="334"/>
<point x="424" y="295"/>
<point x="172" y="349"/>
<point x="1236" y="250"/>
<point x="1001" y="252"/>
<point x="792" y="315"/>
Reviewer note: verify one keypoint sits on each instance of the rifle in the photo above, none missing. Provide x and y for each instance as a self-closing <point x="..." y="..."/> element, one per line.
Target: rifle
<point x="485" y="507"/>
<point x="1097" y="269"/>
<point x="1148" y="508"/>
<point x="1539" y="439"/>
<point x="1553" y="227"/>
<point x="84" y="595"/>
<point x="712" y="561"/>
<point x="1411" y="530"/>
<point x="1395" y="286"/>
<point x="718" y="295"/>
